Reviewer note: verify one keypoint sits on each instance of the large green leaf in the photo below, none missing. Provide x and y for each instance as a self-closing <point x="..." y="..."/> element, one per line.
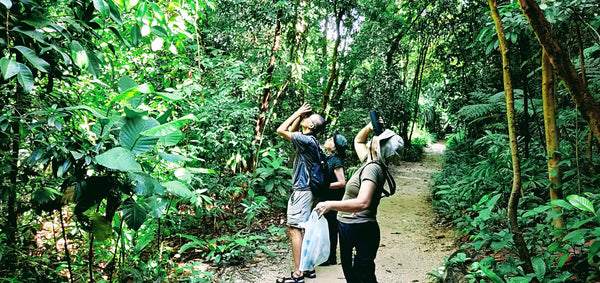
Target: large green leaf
<point x="131" y="139"/>
<point x="131" y="93"/>
<point x="35" y="61"/>
<point x="34" y="34"/>
<point x="25" y="78"/>
<point x="132" y="113"/>
<point x="159" y="31"/>
<point x="582" y="203"/>
<point x="539" y="267"/>
<point x="126" y="83"/>
<point x="145" y="184"/>
<point x="62" y="53"/>
<point x="491" y="275"/>
<point x="95" y="112"/>
<point x="118" y="158"/>
<point x="157" y="206"/>
<point x="171" y="139"/>
<point x="79" y="54"/>
<point x="173" y="157"/>
<point x="170" y="95"/>
<point x="169" y="128"/>
<point x="577" y="237"/>
<point x="134" y="214"/>
<point x="93" y="65"/>
<point x="136" y="35"/>
<point x="101" y="7"/>
<point x="114" y="12"/>
<point x="8" y="67"/>
<point x="179" y="189"/>
<point x="141" y="11"/>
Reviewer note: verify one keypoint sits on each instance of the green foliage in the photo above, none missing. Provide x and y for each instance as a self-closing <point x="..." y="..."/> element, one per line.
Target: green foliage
<point x="273" y="177"/>
<point x="227" y="249"/>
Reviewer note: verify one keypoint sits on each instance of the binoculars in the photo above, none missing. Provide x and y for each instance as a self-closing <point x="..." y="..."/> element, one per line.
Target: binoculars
<point x="377" y="127"/>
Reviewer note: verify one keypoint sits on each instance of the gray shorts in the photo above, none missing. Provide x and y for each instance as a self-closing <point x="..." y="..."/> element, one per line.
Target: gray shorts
<point x="299" y="207"/>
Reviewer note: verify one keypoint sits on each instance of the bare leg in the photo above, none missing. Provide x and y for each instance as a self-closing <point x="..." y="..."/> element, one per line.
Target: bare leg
<point x="296" y="239"/>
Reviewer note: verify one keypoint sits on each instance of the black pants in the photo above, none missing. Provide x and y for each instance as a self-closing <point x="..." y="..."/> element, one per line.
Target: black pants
<point x="364" y="238"/>
<point x="332" y="222"/>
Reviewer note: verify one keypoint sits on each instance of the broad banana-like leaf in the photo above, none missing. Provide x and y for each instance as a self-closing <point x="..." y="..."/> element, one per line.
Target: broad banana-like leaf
<point x="173" y="157"/>
<point x="131" y="93"/>
<point x="131" y="139"/>
<point x="169" y="128"/>
<point x="119" y="158"/>
<point x="134" y="214"/>
<point x="145" y="184"/>
<point x="179" y="189"/>
<point x="157" y="205"/>
<point x="171" y="139"/>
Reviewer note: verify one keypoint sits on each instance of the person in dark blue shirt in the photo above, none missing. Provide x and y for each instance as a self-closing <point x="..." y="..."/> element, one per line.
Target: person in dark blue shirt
<point x="301" y="200"/>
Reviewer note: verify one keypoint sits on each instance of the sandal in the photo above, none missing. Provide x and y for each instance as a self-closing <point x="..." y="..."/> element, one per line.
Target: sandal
<point x="310" y="274"/>
<point x="291" y="279"/>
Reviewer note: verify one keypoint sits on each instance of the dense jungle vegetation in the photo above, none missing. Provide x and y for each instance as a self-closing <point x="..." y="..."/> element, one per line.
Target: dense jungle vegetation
<point x="137" y="138"/>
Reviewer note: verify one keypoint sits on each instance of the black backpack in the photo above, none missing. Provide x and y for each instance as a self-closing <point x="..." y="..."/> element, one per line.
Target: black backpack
<point x="387" y="178"/>
<point x="318" y="179"/>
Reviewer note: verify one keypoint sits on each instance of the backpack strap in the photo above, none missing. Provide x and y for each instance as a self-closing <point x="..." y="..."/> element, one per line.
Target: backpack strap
<point x="387" y="177"/>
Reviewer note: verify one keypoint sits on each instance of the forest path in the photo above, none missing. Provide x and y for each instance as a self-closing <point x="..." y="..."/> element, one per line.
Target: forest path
<point x="412" y="243"/>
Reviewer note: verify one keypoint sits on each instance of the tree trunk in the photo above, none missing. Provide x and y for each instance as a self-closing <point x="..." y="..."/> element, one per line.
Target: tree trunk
<point x="590" y="141"/>
<point x="264" y="99"/>
<point x="510" y="113"/>
<point x="559" y="59"/>
<point x="334" y="57"/>
<point x="395" y="45"/>
<point x="416" y="87"/>
<point x="524" y="52"/>
<point x="552" y="141"/>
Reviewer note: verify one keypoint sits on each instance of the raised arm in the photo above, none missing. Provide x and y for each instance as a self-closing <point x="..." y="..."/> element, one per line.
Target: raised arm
<point x="360" y="140"/>
<point x="284" y="129"/>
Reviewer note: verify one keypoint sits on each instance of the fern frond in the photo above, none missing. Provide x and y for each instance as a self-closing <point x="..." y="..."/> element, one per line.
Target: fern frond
<point x="471" y="112"/>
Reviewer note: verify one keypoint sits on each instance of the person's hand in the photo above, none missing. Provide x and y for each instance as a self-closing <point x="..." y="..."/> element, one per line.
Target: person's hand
<point x="304" y="109"/>
<point x="321" y="208"/>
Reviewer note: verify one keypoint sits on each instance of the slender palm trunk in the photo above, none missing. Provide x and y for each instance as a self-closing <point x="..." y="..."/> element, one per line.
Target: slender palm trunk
<point x="552" y="141"/>
<point x="512" y="132"/>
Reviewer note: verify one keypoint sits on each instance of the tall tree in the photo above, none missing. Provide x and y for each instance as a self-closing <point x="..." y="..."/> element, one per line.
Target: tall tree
<point x="512" y="132"/>
<point x="266" y="94"/>
<point x="560" y="60"/>
<point x="340" y="11"/>
<point x="552" y="140"/>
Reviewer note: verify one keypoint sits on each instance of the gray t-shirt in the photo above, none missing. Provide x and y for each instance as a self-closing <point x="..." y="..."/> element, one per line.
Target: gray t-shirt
<point x="374" y="173"/>
<point x="306" y="155"/>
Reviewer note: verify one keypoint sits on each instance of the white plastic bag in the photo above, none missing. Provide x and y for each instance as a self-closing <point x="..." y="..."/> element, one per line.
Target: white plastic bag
<point x="315" y="245"/>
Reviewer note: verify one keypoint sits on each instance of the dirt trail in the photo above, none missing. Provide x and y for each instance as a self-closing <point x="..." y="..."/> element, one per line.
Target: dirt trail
<point x="412" y="244"/>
